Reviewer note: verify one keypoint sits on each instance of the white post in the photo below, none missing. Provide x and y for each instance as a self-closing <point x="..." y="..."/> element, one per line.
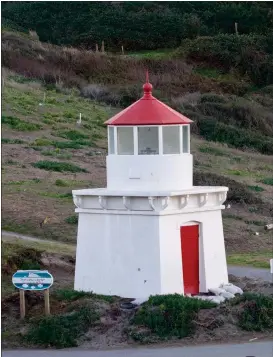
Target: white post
<point x="271" y="269"/>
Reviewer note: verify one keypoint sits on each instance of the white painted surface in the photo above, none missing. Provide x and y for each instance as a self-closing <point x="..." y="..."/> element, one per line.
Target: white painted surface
<point x="118" y="255"/>
<point x="149" y="172"/>
<point x="133" y="254"/>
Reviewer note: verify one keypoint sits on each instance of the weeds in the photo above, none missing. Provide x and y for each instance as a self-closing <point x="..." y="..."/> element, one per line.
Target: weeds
<point x="62" y="331"/>
<point x="58" y="166"/>
<point x="61" y="183"/>
<point x="213" y="151"/>
<point x="257" y="314"/>
<point x="73" y="295"/>
<point x="71" y="134"/>
<point x="256" y="188"/>
<point x="268" y="181"/>
<point x="20" y="125"/>
<point x="72" y="219"/>
<point x="12" y="141"/>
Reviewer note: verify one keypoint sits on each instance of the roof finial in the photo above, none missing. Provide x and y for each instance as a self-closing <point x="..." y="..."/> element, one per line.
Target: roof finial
<point x="147" y="87"/>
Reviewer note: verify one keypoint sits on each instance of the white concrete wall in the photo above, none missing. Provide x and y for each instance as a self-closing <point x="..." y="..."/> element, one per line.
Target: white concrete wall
<point x="149" y="172"/>
<point x="118" y="255"/>
<point x="212" y="258"/>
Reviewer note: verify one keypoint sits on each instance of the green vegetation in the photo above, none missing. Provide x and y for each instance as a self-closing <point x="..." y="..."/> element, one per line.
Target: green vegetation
<point x="73" y="295"/>
<point x="257" y="260"/>
<point x="257" y="314"/>
<point x="57" y="153"/>
<point x="70" y="134"/>
<point x="173" y="21"/>
<point x="61" y="331"/>
<point x="58" y="166"/>
<point x="19" y="124"/>
<point x="213" y="151"/>
<point x="256" y="188"/>
<point x="12" y="141"/>
<point x="170" y="315"/>
<point x="61" y="183"/>
<point x="268" y="181"/>
<point x="72" y="219"/>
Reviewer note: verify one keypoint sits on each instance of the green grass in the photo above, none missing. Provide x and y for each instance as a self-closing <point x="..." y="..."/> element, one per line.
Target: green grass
<point x="256" y="188"/>
<point x="19" y="124"/>
<point x="12" y="141"/>
<point x="57" y="153"/>
<point x="70" y="134"/>
<point x="61" y="183"/>
<point x="73" y="295"/>
<point x="58" y="166"/>
<point x="170" y="316"/>
<point x="212" y="151"/>
<point x="268" y="181"/>
<point x="257" y="260"/>
<point x="67" y="195"/>
<point x="61" y="331"/>
<point x="72" y="219"/>
<point x="238" y="172"/>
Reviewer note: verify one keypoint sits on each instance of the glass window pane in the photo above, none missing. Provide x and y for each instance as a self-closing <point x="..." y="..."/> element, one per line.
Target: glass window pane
<point x="185" y="138"/>
<point x="171" y="140"/>
<point x="125" y="137"/>
<point x="148" y="140"/>
<point x="111" y="140"/>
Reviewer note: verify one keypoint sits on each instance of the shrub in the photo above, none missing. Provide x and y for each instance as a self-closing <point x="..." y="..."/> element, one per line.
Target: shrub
<point x="72" y="219"/>
<point x="257" y="314"/>
<point x="100" y="94"/>
<point x="12" y="141"/>
<point x="62" y="330"/>
<point x="61" y="183"/>
<point x="268" y="181"/>
<point x="73" y="295"/>
<point x="77" y="144"/>
<point x="20" y="125"/>
<point x="41" y="142"/>
<point x="238" y="192"/>
<point x="256" y="188"/>
<point x="58" y="166"/>
<point x="170" y="315"/>
<point x="73" y="135"/>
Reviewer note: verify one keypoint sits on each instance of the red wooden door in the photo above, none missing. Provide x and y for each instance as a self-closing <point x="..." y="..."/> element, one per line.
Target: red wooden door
<point x="190" y="258"/>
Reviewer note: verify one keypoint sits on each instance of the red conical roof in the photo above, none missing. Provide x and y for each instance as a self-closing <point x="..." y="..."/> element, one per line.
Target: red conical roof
<point x="148" y="111"/>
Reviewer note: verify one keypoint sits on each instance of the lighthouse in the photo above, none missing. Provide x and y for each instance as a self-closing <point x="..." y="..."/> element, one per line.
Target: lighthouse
<point x="150" y="231"/>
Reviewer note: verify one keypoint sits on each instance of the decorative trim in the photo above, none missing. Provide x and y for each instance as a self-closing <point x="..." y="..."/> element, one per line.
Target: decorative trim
<point x="203" y="199"/>
<point x="102" y="202"/>
<point x="166" y="204"/>
<point x="151" y="202"/>
<point x="77" y="201"/>
<point x="184" y="200"/>
<point x="126" y="202"/>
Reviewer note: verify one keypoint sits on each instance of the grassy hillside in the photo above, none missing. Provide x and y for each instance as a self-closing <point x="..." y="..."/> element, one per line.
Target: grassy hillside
<point x="136" y="25"/>
<point x="45" y="155"/>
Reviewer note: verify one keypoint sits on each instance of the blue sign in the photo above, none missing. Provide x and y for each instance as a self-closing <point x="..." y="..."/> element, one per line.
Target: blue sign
<point x="32" y="280"/>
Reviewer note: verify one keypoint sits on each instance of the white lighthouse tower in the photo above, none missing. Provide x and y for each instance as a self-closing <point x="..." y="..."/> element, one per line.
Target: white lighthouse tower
<point x="150" y="231"/>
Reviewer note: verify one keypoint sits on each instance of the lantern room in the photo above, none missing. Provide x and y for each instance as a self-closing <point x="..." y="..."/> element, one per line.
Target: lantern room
<point x="144" y="138"/>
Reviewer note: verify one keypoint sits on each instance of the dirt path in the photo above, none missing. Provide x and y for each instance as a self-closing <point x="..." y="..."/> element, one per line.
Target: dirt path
<point x="238" y="271"/>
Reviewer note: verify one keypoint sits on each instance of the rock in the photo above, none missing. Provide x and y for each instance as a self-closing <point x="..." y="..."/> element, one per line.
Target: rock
<point x="232" y="289"/>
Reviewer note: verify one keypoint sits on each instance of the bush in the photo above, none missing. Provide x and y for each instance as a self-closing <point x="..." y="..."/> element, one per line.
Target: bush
<point x="257" y="314"/>
<point x="212" y="130"/>
<point x="20" y="125"/>
<point x="61" y="183"/>
<point x="238" y="192"/>
<point x="170" y="315"/>
<point x="61" y="331"/>
<point x="72" y="219"/>
<point x="73" y="135"/>
<point x="58" y="166"/>
<point x="12" y="141"/>
<point x="268" y="181"/>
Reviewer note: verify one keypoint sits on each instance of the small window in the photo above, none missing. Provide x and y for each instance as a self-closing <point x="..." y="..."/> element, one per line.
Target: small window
<point x="125" y="138"/>
<point x="171" y="140"/>
<point x="148" y="143"/>
<point x="185" y="138"/>
<point x="111" y="140"/>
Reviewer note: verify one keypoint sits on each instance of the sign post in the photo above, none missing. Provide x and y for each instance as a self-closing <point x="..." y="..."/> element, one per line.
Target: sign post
<point x="33" y="280"/>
